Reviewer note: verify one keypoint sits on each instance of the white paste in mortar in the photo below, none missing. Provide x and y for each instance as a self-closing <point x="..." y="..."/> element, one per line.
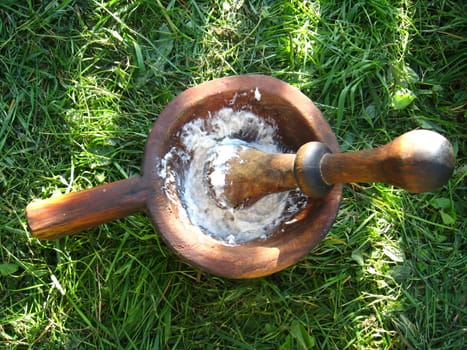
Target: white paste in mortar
<point x="198" y="139"/>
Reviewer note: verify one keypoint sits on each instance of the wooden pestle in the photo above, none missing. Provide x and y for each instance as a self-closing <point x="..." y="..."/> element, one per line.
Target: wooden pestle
<point x="418" y="161"/>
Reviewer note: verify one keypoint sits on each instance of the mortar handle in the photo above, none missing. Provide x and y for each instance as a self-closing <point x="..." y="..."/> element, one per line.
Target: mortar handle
<point x="417" y="161"/>
<point x="66" y="214"/>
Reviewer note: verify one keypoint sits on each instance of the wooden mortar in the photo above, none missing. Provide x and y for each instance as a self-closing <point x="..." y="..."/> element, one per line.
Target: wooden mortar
<point x="299" y="122"/>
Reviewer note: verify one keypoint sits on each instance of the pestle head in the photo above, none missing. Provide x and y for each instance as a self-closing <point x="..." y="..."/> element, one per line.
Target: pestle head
<point x="215" y="172"/>
<point x="238" y="175"/>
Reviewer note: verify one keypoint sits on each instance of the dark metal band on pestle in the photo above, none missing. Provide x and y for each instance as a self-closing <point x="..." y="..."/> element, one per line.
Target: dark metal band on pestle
<point x="307" y="169"/>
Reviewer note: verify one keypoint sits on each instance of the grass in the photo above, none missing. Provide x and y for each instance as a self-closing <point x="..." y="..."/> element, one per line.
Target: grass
<point x="81" y="83"/>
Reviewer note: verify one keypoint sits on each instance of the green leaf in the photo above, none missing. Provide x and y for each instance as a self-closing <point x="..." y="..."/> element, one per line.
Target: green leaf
<point x="393" y="253"/>
<point x="287" y="344"/>
<point x="303" y="339"/>
<point x="447" y="219"/>
<point x="441" y="238"/>
<point x="370" y="114"/>
<point x="8" y="269"/>
<point x="446" y="209"/>
<point x="139" y="56"/>
<point x="402" y="98"/>
<point x="441" y="203"/>
<point x="410" y="75"/>
<point x="357" y="257"/>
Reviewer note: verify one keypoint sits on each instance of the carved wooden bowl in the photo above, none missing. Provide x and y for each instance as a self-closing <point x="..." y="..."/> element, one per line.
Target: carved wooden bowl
<point x="298" y="120"/>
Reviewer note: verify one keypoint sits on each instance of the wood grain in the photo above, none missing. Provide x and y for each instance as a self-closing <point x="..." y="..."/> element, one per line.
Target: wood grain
<point x="418" y="161"/>
<point x="63" y="215"/>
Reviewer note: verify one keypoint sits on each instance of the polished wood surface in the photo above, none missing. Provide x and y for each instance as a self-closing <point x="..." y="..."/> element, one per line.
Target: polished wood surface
<point x="69" y="213"/>
<point x="418" y="161"/>
<point x="298" y="121"/>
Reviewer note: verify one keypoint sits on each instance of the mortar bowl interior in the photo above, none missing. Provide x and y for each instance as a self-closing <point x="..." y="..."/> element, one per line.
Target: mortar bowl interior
<point x="299" y="121"/>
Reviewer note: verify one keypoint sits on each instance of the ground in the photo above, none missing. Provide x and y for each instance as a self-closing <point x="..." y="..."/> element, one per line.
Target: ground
<point x="81" y="83"/>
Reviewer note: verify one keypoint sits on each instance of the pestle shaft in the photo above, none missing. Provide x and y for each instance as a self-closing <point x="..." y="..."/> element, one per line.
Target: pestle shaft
<point x="418" y="161"/>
